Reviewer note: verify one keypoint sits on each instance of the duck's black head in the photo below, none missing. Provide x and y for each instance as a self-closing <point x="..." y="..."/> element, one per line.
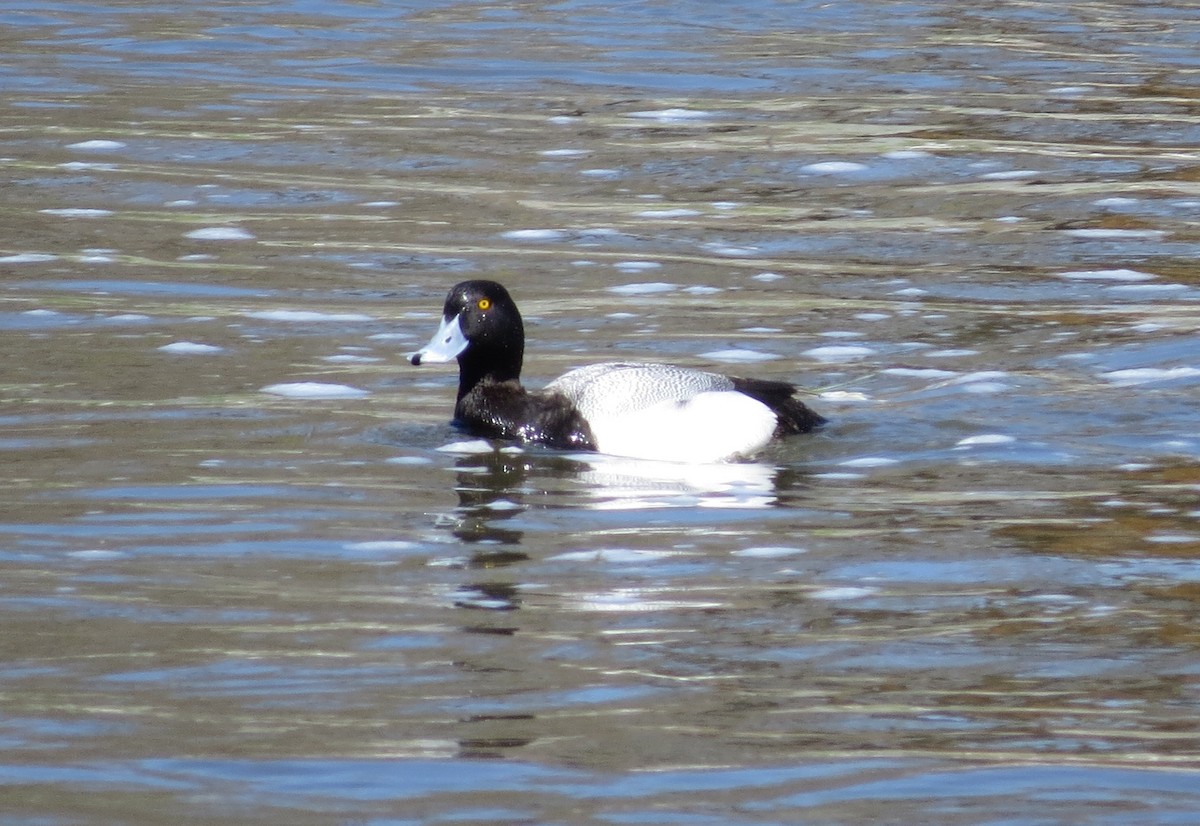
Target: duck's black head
<point x="482" y="328"/>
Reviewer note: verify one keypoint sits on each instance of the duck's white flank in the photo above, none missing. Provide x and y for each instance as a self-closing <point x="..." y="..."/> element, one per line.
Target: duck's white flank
<point x="668" y="413"/>
<point x="713" y="426"/>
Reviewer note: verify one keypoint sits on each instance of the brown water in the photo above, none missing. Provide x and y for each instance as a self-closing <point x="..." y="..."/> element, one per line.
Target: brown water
<point x="973" y="598"/>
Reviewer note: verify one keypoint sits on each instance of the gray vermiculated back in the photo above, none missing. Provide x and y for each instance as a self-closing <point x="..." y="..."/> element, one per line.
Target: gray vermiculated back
<point x="616" y="388"/>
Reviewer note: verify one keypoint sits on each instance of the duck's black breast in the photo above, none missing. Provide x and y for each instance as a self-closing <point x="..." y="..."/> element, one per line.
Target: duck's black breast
<point x="506" y="410"/>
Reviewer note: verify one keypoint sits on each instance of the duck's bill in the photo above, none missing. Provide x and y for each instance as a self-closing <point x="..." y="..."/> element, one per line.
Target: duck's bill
<point x="445" y="345"/>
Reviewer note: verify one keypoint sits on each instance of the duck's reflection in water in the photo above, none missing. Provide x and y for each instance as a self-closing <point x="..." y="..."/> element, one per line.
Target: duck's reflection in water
<point x="497" y="485"/>
<point x="617" y="483"/>
<point x="497" y="491"/>
<point x="492" y="487"/>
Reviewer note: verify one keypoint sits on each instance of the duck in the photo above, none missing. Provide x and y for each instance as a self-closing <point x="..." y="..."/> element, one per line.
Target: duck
<point x="640" y="410"/>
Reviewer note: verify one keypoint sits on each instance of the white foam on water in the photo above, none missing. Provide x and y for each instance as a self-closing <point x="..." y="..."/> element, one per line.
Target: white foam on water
<point x="702" y="289"/>
<point x="564" y="153"/>
<point x="869" y="461"/>
<point x="1173" y="538"/>
<point x="408" y="460"/>
<point x="980" y="375"/>
<point x="986" y="387"/>
<point x="381" y="545"/>
<point x="314" y="390"/>
<point x="306" y="316"/>
<point x="767" y="277"/>
<point x="844" y="592"/>
<point x="872" y="316"/>
<point x="637" y="266"/>
<point x="77" y="212"/>
<point x="1148" y="375"/>
<point x="533" y="234"/>
<point x="600" y="172"/>
<point x="346" y="358"/>
<point x="637" y="600"/>
<point x="617" y="555"/>
<point x="668" y="213"/>
<point x="1108" y="275"/>
<point x="843" y="396"/>
<point x="1009" y="175"/>
<point x="986" y="439"/>
<point x="833" y="167"/>
<point x="190" y="348"/>
<point x="739" y="355"/>
<point x="1115" y="201"/>
<point x="1146" y="288"/>
<point x="96" y="146"/>
<point x="838" y="352"/>
<point x="949" y="353"/>
<point x="97" y="554"/>
<point x="220" y="234"/>
<point x="731" y="251"/>
<point x="79" y="166"/>
<point x="1099" y="232"/>
<point x="644" y="288"/>
<point x="920" y="372"/>
<point x="769" y="551"/>
<point x="674" y="114"/>
<point x="28" y="258"/>
<point x="468" y="448"/>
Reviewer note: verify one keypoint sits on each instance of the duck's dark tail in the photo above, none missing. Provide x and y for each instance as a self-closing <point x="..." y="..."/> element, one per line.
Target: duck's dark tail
<point x="794" y="415"/>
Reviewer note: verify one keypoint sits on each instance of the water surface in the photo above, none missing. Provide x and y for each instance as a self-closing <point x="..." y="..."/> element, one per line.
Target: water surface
<point x="249" y="572"/>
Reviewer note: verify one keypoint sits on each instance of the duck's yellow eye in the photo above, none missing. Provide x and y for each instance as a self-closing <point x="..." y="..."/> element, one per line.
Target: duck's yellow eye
<point x="484" y="303"/>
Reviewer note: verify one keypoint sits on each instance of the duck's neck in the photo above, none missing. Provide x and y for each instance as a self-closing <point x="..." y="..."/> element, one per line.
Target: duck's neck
<point x="497" y="365"/>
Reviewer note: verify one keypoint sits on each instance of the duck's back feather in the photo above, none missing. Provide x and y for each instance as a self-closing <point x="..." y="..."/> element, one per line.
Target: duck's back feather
<point x="669" y="412"/>
<point x="794" y="415"/>
<point x="618" y="388"/>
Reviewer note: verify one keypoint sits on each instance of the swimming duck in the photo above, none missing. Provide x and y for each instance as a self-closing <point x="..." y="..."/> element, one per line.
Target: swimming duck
<point x="640" y="410"/>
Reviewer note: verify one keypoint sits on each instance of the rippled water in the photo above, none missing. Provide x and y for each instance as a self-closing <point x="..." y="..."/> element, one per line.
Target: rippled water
<point x="248" y="572"/>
